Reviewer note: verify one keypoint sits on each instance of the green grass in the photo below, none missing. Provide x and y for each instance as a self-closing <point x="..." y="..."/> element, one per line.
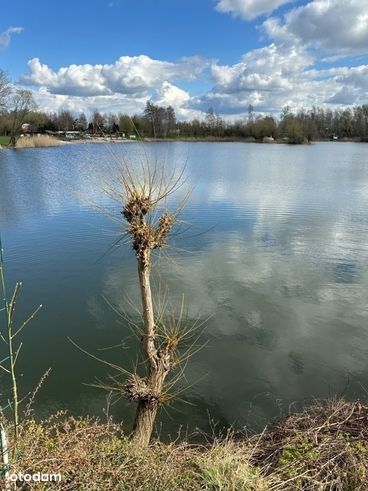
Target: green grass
<point x="4" y="140"/>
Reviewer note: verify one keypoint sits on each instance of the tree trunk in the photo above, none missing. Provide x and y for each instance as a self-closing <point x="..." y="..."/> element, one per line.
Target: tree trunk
<point x="143" y="424"/>
<point x="148" y="407"/>
<point x="148" y="315"/>
<point x="158" y="361"/>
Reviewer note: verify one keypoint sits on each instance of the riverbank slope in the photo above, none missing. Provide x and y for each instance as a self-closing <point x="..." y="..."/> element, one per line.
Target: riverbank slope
<point x="324" y="447"/>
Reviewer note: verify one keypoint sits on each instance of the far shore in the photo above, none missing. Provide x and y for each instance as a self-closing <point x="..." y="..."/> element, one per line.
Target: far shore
<point x="46" y="141"/>
<point x="204" y="140"/>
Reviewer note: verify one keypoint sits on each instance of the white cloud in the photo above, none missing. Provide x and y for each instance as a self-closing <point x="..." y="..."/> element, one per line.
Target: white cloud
<point x="282" y="73"/>
<point x="115" y="103"/>
<point x="351" y="86"/>
<point x="277" y="75"/>
<point x="265" y="78"/>
<point x="167" y="94"/>
<point x="170" y="95"/>
<point x="249" y="9"/>
<point x="333" y="25"/>
<point x="270" y="68"/>
<point x="83" y="80"/>
<point x="5" y="37"/>
<point x="134" y="76"/>
<point x="285" y="72"/>
<point x="355" y="76"/>
<point x="268" y="78"/>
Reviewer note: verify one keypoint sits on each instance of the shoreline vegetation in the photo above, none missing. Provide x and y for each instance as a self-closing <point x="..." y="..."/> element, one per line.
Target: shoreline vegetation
<point x="20" y="117"/>
<point x="44" y="140"/>
<point x="324" y="447"/>
<point x="38" y="141"/>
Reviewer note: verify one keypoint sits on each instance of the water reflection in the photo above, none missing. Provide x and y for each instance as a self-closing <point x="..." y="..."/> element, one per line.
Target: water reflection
<point x="276" y="258"/>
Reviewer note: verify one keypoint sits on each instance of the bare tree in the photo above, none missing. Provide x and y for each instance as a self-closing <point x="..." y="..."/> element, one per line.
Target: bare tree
<point x="98" y="122"/>
<point x="166" y="339"/>
<point x="65" y="121"/>
<point x="5" y="89"/>
<point x="82" y="122"/>
<point x="149" y="223"/>
<point x="23" y="104"/>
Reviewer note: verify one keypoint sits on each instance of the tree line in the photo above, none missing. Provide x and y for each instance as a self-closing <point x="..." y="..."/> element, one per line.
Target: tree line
<point x="17" y="108"/>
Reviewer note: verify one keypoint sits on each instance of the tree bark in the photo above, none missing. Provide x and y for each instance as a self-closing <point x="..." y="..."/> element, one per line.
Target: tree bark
<point x="148" y="314"/>
<point x="147" y="409"/>
<point x="158" y="362"/>
<point x="143" y="424"/>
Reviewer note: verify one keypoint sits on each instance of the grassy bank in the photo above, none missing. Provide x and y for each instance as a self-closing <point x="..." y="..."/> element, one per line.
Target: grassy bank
<point x="4" y="141"/>
<point x="323" y="448"/>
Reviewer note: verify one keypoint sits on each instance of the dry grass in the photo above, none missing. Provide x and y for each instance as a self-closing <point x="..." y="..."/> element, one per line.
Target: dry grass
<point x="38" y="141"/>
<point x="93" y="456"/>
<point x="323" y="448"/>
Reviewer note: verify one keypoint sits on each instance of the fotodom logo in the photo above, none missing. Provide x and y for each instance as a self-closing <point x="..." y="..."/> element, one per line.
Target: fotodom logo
<point x="36" y="477"/>
<point x="20" y="477"/>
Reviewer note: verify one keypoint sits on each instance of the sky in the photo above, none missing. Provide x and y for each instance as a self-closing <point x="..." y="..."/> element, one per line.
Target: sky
<point x="114" y="55"/>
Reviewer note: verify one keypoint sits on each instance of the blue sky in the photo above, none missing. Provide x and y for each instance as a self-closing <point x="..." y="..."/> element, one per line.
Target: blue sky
<point x="113" y="55"/>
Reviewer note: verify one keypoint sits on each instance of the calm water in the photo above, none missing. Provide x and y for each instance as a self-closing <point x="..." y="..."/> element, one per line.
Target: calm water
<point x="276" y="251"/>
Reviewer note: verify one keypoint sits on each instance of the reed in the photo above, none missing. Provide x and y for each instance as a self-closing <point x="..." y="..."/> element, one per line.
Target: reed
<point x="38" y="141"/>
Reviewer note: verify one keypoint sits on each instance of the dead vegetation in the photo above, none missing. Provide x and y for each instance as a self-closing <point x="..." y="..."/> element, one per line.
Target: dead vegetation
<point x="323" y="448"/>
<point x="38" y="141"/>
<point x="94" y="456"/>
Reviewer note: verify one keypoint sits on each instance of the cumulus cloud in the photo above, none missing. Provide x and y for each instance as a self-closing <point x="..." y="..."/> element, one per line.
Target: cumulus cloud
<point x="279" y="75"/>
<point x="270" y="68"/>
<point x="167" y="94"/>
<point x="134" y="76"/>
<point x="264" y="77"/>
<point x="268" y="78"/>
<point x="333" y="25"/>
<point x="284" y="72"/>
<point x="50" y="102"/>
<point x="249" y="9"/>
<point x="351" y="86"/>
<point x="170" y="95"/>
<point x="5" y="37"/>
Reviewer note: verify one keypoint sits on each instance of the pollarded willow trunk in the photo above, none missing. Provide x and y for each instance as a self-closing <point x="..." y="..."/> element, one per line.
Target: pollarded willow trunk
<point x="143" y="424"/>
<point x="147" y="391"/>
<point x="157" y="360"/>
<point x="148" y="406"/>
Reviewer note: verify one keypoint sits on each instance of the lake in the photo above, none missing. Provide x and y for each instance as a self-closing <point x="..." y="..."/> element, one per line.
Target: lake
<point x="271" y="254"/>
